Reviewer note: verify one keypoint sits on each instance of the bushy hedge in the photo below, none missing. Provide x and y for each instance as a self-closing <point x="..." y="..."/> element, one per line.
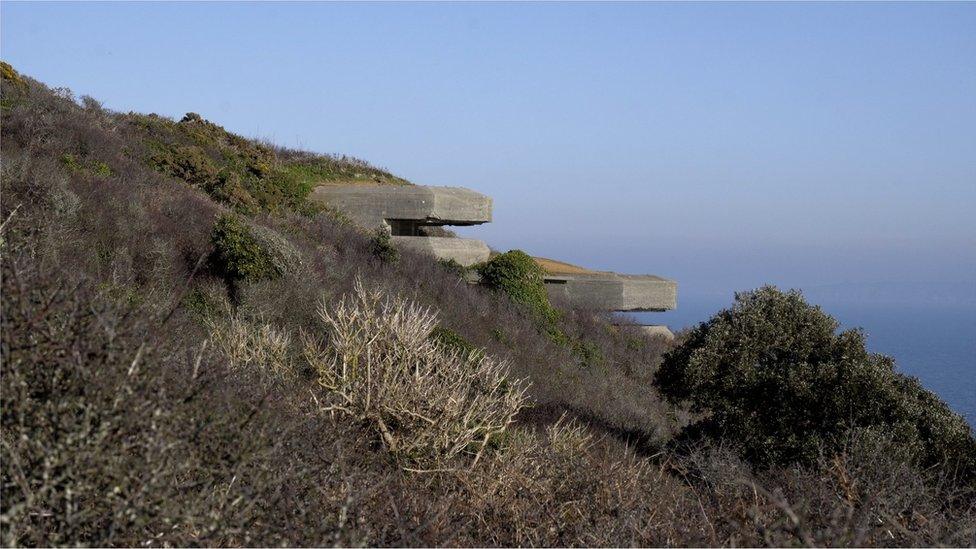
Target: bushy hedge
<point x="517" y="275"/>
<point x="238" y="255"/>
<point x="775" y="378"/>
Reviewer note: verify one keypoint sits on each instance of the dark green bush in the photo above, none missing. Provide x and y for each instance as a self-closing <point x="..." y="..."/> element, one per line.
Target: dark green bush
<point x="382" y="247"/>
<point x="238" y="254"/>
<point x="775" y="379"/>
<point x="517" y="275"/>
<point x="588" y="354"/>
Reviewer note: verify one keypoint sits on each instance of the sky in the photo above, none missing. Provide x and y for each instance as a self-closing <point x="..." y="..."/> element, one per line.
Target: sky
<point x="725" y="145"/>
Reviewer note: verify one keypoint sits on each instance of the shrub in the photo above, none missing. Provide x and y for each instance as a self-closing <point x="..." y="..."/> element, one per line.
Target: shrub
<point x="518" y="276"/>
<point x="453" y="267"/>
<point x="588" y="354"/>
<point x="93" y="167"/>
<point x="187" y="162"/>
<point x="454" y="342"/>
<point x="238" y="254"/>
<point x="120" y="427"/>
<point x="255" y="345"/>
<point x="775" y="379"/>
<point x="382" y="247"/>
<point x="8" y="73"/>
<point x="428" y="405"/>
<point x="206" y="301"/>
<point x="13" y="86"/>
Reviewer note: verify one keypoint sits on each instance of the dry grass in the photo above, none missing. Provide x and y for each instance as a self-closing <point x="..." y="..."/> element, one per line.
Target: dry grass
<point x="554" y="267"/>
<point x="362" y="180"/>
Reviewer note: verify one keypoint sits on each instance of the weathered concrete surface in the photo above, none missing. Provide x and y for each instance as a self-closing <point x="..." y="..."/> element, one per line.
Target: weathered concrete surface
<point x="614" y="292"/>
<point x="465" y="251"/>
<point x="374" y="206"/>
<point x="652" y="330"/>
<point x="658" y="330"/>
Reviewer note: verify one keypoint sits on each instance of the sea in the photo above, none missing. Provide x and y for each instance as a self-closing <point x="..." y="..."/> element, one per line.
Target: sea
<point x="935" y="342"/>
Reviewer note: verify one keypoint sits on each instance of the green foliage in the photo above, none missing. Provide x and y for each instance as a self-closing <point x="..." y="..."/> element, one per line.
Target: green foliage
<point x="455" y="342"/>
<point x="14" y="87"/>
<point x="123" y="294"/>
<point x="588" y="354"/>
<point x="517" y="275"/>
<point x="10" y="76"/>
<point x="70" y="162"/>
<point x="246" y="174"/>
<point x="382" y="247"/>
<point x="75" y="164"/>
<point x="775" y="378"/>
<point x="238" y="254"/>
<point x="204" y="304"/>
<point x="636" y="343"/>
<point x="453" y="266"/>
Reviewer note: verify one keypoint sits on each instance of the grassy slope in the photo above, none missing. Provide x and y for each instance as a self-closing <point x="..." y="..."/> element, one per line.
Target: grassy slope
<point x="248" y="175"/>
<point x="121" y="425"/>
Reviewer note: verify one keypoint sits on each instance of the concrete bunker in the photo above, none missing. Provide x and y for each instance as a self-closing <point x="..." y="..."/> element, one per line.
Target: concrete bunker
<point x="407" y="212"/>
<point x="609" y="291"/>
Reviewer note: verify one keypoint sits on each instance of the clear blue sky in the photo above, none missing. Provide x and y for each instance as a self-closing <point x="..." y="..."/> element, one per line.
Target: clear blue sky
<point x="724" y="145"/>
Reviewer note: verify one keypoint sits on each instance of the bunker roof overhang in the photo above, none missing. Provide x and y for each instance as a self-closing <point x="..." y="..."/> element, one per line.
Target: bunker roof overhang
<point x="608" y="291"/>
<point x="615" y="292"/>
<point x="376" y="205"/>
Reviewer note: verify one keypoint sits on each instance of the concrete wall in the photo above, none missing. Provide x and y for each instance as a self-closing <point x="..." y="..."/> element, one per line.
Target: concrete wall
<point x="614" y="292"/>
<point x="465" y="251"/>
<point x="651" y="330"/>
<point x="371" y="205"/>
<point x="648" y="293"/>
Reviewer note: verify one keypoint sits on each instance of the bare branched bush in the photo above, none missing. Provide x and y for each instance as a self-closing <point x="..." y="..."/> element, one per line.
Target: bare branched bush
<point x="428" y="404"/>
<point x="249" y="344"/>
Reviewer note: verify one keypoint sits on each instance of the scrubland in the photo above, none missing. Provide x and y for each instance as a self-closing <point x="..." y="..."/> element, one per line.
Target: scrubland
<point x="193" y="354"/>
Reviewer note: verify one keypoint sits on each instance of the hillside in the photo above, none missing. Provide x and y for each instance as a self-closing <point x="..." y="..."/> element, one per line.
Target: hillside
<point x="193" y="353"/>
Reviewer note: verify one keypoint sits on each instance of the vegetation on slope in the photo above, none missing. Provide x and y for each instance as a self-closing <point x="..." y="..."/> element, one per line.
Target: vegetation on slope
<point x="515" y="274"/>
<point x="181" y="368"/>
<point x="248" y="175"/>
<point x="776" y="379"/>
